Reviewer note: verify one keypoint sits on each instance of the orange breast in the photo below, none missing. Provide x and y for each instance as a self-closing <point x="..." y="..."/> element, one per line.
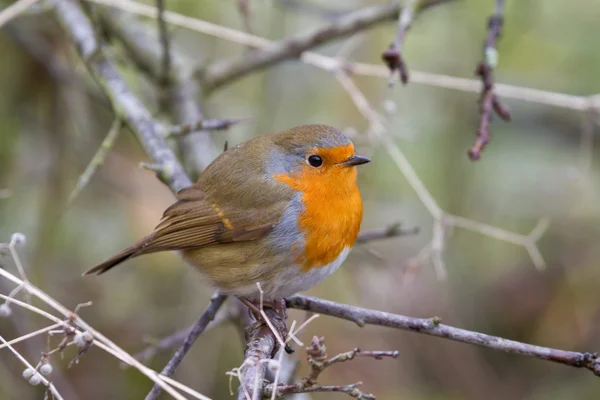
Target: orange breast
<point x="332" y="212"/>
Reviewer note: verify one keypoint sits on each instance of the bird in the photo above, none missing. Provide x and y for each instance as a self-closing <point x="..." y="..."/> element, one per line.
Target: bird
<point x="281" y="209"/>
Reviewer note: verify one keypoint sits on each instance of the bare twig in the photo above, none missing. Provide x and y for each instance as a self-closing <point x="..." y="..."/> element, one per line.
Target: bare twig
<point x="440" y="217"/>
<point x="179" y="337"/>
<point x="318" y="361"/>
<point x="165" y="42"/>
<point x="490" y="102"/>
<point x="204" y="125"/>
<point x="526" y="94"/>
<point x="181" y="96"/>
<point x="393" y="55"/>
<point x="386" y="232"/>
<point x="22" y="359"/>
<point x="100" y="340"/>
<point x="14" y="10"/>
<point x="351" y="390"/>
<point x="226" y="71"/>
<point x="208" y="315"/>
<point x="433" y="327"/>
<point x="97" y="160"/>
<point x="127" y="106"/>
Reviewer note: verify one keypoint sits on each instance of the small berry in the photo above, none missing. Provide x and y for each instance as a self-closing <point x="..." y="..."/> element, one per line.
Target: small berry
<point x="28" y="373"/>
<point x="35" y="380"/>
<point x="78" y="339"/>
<point x="81" y="339"/>
<point x="5" y="310"/>
<point x="46" y="369"/>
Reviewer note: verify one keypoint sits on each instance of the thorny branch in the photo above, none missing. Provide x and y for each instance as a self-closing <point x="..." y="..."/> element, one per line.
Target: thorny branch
<point x="489" y="101"/>
<point x="317" y="359"/>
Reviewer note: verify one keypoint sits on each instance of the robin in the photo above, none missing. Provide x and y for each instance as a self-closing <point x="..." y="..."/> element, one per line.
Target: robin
<point x="281" y="209"/>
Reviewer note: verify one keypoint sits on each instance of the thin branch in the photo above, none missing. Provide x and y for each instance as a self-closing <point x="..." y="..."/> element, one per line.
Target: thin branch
<point x="351" y="390"/>
<point x="226" y="71"/>
<point x="22" y="359"/>
<point x="181" y="96"/>
<point x="555" y="99"/>
<point x="393" y="57"/>
<point x="441" y="218"/>
<point x="490" y="102"/>
<point x="14" y="10"/>
<point x="97" y="160"/>
<point x="127" y="106"/>
<point x="165" y="42"/>
<point x="391" y="231"/>
<point x="433" y="327"/>
<point x="179" y="337"/>
<point x="318" y="361"/>
<point x="207" y="316"/>
<point x="100" y="340"/>
<point x="204" y="125"/>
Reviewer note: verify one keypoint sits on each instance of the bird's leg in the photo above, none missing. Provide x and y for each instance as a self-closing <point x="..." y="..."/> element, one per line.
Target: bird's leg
<point x="280" y="309"/>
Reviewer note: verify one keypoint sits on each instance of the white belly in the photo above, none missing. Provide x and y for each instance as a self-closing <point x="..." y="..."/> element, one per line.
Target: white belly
<point x="291" y="280"/>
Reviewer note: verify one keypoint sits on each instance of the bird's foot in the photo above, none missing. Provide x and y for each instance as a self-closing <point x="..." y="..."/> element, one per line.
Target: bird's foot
<point x="277" y="324"/>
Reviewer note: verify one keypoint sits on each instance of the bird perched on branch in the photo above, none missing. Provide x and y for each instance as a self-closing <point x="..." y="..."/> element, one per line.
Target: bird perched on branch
<point x="281" y="209"/>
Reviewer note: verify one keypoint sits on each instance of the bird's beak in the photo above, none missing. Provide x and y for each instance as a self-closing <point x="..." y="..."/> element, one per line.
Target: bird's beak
<point x="354" y="161"/>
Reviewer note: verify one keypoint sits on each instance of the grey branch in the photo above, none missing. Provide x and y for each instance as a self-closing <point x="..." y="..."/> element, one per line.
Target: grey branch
<point x="181" y="95"/>
<point x="351" y="390"/>
<point x="317" y="359"/>
<point x="204" y="125"/>
<point x="177" y="338"/>
<point x="433" y="327"/>
<point x="385" y="233"/>
<point x="259" y="348"/>
<point x="125" y="104"/>
<point x="207" y="316"/>
<point x="97" y="160"/>
<point x="393" y="56"/>
<point x="165" y="42"/>
<point x="225" y="71"/>
<point x="129" y="109"/>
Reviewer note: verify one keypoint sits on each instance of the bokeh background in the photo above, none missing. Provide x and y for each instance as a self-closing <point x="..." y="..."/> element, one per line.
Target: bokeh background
<point x="543" y="164"/>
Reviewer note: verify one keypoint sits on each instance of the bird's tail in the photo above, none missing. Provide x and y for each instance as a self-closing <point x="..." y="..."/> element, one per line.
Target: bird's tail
<point x="113" y="261"/>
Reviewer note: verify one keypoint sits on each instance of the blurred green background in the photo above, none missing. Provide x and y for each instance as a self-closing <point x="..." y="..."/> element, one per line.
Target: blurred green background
<point x="539" y="165"/>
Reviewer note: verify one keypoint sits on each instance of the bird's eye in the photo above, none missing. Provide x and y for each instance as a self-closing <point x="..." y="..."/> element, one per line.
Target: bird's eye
<point x="315" y="161"/>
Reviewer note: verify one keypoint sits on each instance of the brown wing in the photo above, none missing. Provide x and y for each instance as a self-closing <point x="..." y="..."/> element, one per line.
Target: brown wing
<point x="194" y="221"/>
